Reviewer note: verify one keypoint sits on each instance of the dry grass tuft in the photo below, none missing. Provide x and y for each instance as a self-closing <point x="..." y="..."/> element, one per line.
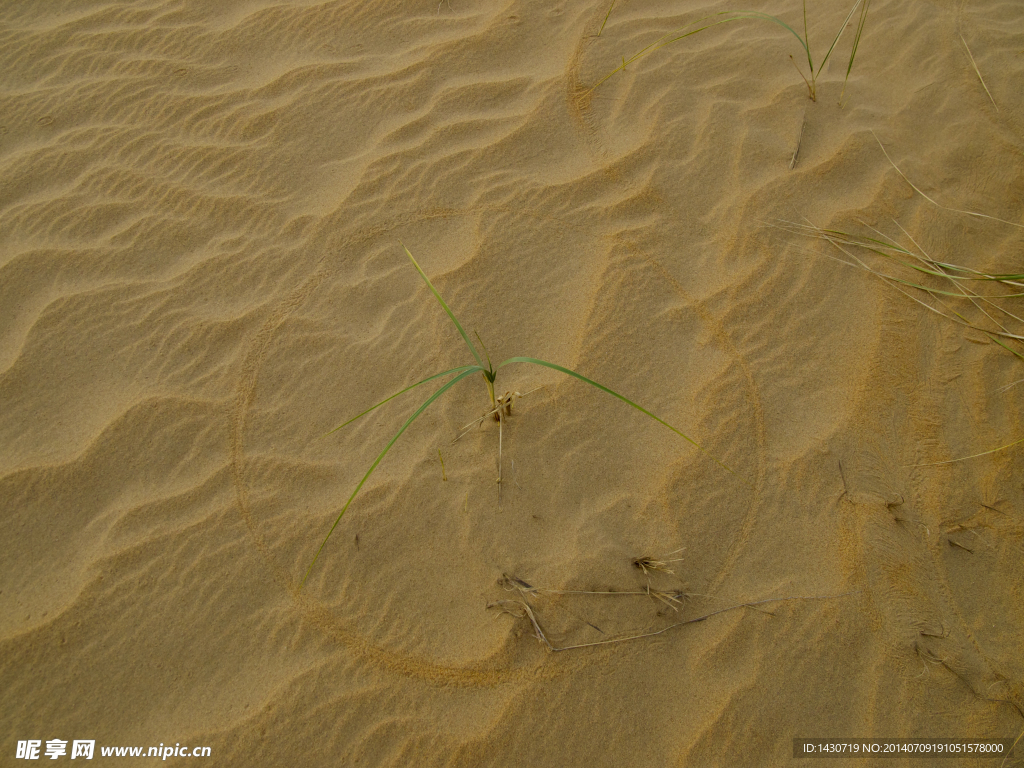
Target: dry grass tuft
<point x="649" y="564"/>
<point x="521" y="608"/>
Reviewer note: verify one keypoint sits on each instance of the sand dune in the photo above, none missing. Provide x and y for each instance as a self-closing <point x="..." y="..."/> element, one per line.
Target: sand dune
<point x="201" y="275"/>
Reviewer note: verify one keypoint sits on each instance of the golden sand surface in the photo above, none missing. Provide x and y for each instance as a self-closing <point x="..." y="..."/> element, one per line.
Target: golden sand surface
<point x="201" y="273"/>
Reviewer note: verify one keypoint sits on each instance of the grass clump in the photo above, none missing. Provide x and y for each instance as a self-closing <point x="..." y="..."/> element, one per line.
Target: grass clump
<point x="986" y="302"/>
<point x="501" y="407"/>
<point x="982" y="301"/>
<point x="725" y="17"/>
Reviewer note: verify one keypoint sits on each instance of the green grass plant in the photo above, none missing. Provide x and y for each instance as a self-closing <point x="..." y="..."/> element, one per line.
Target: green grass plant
<point x="500" y="406"/>
<point x="919" y="276"/>
<point x="725" y="17"/>
<point x="982" y="301"/>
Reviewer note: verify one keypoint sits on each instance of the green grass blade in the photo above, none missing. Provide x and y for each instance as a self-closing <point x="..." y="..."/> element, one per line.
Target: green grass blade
<point x="839" y="34"/>
<point x="458" y="325"/>
<point x="856" y="42"/>
<point x="807" y="45"/>
<point x="378" y="405"/>
<point x="937" y="291"/>
<point x="410" y="420"/>
<point x="976" y="275"/>
<point x="668" y="39"/>
<point x="1008" y="349"/>
<point x="612" y="392"/>
<point x="776" y="20"/>
<point x="606" y="18"/>
<point x="679" y="34"/>
<point x="882" y="248"/>
<point x="484" y="348"/>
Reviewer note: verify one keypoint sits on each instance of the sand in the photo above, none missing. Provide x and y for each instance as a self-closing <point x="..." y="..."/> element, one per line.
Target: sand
<point x="201" y="274"/>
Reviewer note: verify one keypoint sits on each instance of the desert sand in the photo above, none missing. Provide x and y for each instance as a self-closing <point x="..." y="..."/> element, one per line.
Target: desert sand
<point x="202" y="214"/>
